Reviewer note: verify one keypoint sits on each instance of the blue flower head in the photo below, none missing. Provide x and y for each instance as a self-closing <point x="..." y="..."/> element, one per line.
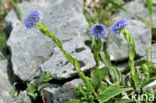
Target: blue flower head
<point x="98" y="31"/>
<point x="32" y="19"/>
<point x="118" y="25"/>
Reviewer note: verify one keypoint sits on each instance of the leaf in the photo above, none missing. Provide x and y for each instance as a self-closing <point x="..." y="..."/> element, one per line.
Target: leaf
<point x="59" y="43"/>
<point x="74" y="101"/>
<point x="110" y="93"/>
<point x="94" y="80"/>
<point x="101" y="73"/>
<point x="32" y="90"/>
<point x="124" y="101"/>
<point x="82" y="91"/>
<point x="96" y="45"/>
<point x="106" y="59"/>
<point x="145" y="71"/>
<point x="151" y="82"/>
<point x="84" y="94"/>
<point x="46" y="77"/>
<point x="69" y="57"/>
<point x="150" y="6"/>
<point x="97" y="76"/>
<point x="1" y="56"/>
<point x="42" y="86"/>
<point x="138" y="63"/>
<point x="3" y="38"/>
<point x="13" y="91"/>
<point x="117" y="74"/>
<point x="77" y="64"/>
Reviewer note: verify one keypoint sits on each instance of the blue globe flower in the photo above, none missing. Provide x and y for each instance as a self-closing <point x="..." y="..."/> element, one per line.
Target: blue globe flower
<point x="118" y="25"/>
<point x="32" y="19"/>
<point x="98" y="31"/>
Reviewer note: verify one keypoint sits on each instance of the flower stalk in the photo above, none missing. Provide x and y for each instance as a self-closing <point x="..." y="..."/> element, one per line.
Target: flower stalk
<point x="120" y="27"/>
<point x="72" y="60"/>
<point x="131" y="44"/>
<point x="97" y="31"/>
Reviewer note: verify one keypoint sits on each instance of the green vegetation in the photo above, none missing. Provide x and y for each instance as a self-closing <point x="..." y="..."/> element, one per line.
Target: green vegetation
<point x="35" y="91"/>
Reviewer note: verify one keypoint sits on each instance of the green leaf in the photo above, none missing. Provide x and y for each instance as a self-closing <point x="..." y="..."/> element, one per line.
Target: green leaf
<point x="138" y="63"/>
<point x="116" y="73"/>
<point x="94" y="79"/>
<point x="13" y="90"/>
<point x="150" y="6"/>
<point x="42" y="86"/>
<point x="46" y="77"/>
<point x="32" y="90"/>
<point x="59" y="43"/>
<point x="145" y="71"/>
<point x="103" y="87"/>
<point x="101" y="73"/>
<point x="74" y="101"/>
<point x="110" y="93"/>
<point x="77" y="64"/>
<point x="84" y="94"/>
<point x="69" y="57"/>
<point x="3" y="38"/>
<point x="124" y="101"/>
<point x="151" y="82"/>
<point x="96" y="45"/>
<point x="1" y="56"/>
<point x="82" y="91"/>
<point x="97" y="76"/>
<point x="106" y="59"/>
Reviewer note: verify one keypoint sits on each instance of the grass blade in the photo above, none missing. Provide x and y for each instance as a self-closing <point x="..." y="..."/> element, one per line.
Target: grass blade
<point x="17" y="8"/>
<point x="126" y="10"/>
<point x="150" y="7"/>
<point x="150" y="82"/>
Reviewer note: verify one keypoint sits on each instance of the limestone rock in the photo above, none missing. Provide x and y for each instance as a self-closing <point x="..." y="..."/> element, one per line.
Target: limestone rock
<point x="5" y="86"/>
<point x="137" y="7"/>
<point x="30" y="48"/>
<point x="66" y="92"/>
<point x="61" y="68"/>
<point x="10" y="100"/>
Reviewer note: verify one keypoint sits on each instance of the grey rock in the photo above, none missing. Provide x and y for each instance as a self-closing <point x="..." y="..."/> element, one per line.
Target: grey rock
<point x="133" y="6"/>
<point x="11" y="100"/>
<point x="66" y="92"/>
<point x="29" y="47"/>
<point x="117" y="46"/>
<point x="5" y="86"/>
<point x="59" y="66"/>
<point x="138" y="8"/>
<point x="154" y="2"/>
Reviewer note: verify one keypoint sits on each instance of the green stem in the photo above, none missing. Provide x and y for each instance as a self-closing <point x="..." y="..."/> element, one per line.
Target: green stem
<point x="72" y="60"/>
<point x="96" y="49"/>
<point x="131" y="44"/>
<point x="96" y="57"/>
